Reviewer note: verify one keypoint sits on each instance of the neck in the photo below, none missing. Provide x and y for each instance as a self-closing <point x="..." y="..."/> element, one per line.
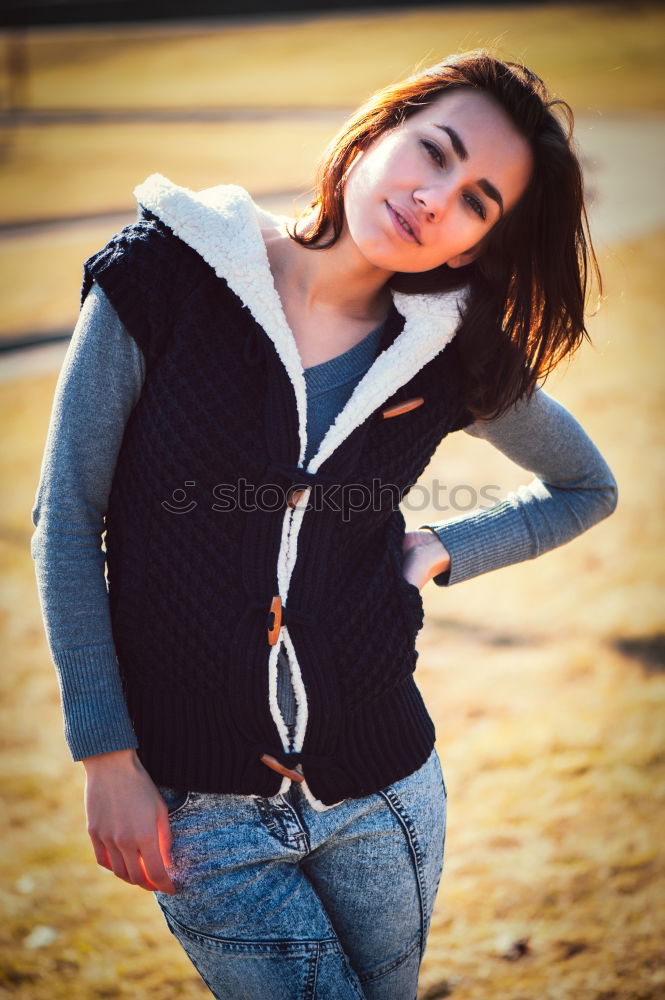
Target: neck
<point x="335" y="280"/>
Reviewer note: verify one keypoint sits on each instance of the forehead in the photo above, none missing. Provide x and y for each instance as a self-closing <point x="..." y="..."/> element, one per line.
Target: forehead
<point x="470" y="106"/>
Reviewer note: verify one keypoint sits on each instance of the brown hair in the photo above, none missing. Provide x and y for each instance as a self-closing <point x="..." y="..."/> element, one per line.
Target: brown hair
<point x="528" y="288"/>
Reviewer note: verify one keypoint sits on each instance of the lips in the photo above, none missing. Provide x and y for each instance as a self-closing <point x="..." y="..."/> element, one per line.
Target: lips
<point x="404" y="223"/>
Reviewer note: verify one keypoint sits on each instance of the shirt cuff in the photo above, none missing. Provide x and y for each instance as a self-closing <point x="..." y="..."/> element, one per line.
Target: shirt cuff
<point x="93" y="704"/>
<point x="483" y="541"/>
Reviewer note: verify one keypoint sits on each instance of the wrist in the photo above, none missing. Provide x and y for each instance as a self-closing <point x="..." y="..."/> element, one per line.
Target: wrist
<point x="436" y="550"/>
<point x="115" y="759"/>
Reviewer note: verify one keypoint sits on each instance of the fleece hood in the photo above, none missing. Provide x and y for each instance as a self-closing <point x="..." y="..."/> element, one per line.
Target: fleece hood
<point x="223" y="225"/>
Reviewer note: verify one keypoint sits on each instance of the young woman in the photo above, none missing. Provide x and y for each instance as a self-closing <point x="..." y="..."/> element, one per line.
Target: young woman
<point x="245" y="401"/>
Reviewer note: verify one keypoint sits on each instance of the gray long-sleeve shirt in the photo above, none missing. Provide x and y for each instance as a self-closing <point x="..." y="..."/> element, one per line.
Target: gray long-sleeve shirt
<point x="99" y="384"/>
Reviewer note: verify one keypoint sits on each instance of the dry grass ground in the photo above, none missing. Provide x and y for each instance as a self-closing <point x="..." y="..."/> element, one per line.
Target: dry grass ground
<point x="545" y="679"/>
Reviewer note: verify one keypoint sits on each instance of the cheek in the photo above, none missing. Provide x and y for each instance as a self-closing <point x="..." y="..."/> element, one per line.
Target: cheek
<point x="372" y="175"/>
<point x="359" y="185"/>
<point x="361" y="206"/>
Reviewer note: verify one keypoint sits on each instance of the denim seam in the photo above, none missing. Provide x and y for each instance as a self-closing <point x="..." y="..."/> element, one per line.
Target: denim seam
<point x="200" y="971"/>
<point x="180" y="807"/>
<point x="266" y="817"/>
<point x="312" y="976"/>
<point x="395" y="803"/>
<point x="300" y="839"/>
<point x="443" y="780"/>
<point x="386" y="969"/>
<point x="349" y="971"/>
<point x="266" y="944"/>
<point x="276" y="825"/>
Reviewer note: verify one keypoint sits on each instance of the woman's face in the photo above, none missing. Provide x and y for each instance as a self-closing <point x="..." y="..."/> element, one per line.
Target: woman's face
<point x="426" y="192"/>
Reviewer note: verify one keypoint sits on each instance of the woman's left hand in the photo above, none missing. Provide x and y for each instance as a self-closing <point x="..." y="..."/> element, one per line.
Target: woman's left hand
<point x="425" y="556"/>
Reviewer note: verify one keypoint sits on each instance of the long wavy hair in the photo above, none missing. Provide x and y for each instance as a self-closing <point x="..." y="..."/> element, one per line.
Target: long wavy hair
<point x="528" y="289"/>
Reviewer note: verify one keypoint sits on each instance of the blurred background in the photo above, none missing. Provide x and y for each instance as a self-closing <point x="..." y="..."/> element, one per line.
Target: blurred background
<point x="545" y="680"/>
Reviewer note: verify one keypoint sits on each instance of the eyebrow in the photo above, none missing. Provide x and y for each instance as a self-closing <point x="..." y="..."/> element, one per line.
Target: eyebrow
<point x="463" y="153"/>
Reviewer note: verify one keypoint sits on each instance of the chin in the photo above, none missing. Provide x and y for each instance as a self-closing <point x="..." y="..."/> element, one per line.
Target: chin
<point x="420" y="269"/>
<point x="378" y="255"/>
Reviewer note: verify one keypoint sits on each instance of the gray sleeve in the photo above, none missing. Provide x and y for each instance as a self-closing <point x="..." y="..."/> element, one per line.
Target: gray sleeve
<point x="99" y="383"/>
<point x="573" y="488"/>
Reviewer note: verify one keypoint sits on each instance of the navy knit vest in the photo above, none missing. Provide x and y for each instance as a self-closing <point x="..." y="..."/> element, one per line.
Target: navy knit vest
<point x="193" y="534"/>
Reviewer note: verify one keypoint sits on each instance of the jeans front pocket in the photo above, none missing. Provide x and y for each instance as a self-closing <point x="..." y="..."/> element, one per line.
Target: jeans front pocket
<point x="175" y="798"/>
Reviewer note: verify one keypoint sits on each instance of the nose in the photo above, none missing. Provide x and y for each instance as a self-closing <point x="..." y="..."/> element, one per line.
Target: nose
<point x="433" y="201"/>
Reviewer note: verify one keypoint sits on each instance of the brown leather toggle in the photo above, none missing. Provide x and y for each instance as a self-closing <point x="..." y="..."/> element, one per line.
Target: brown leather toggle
<point x="279" y="616"/>
<point x="293" y="497"/>
<point x="275" y="619"/>
<point x="403" y="407"/>
<point x="280" y="768"/>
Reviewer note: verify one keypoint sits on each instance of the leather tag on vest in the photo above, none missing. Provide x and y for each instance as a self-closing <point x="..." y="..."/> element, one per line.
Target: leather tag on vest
<point x="404" y="407"/>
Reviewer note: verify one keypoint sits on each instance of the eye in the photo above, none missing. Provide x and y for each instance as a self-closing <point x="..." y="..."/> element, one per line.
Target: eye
<point x="476" y="206"/>
<point x="434" y="152"/>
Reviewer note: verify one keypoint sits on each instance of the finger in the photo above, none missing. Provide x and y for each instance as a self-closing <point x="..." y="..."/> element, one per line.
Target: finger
<point x="132" y="859"/>
<point x="156" y="877"/>
<point x="165" y="838"/>
<point x="153" y="863"/>
<point x="101" y="855"/>
<point x="118" y="866"/>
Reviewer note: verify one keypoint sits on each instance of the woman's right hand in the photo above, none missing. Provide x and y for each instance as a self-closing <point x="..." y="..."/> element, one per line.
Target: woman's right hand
<point x="128" y="821"/>
<point x="424" y="556"/>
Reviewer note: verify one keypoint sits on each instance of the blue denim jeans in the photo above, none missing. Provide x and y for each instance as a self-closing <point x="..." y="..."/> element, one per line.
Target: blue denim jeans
<point x="278" y="901"/>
